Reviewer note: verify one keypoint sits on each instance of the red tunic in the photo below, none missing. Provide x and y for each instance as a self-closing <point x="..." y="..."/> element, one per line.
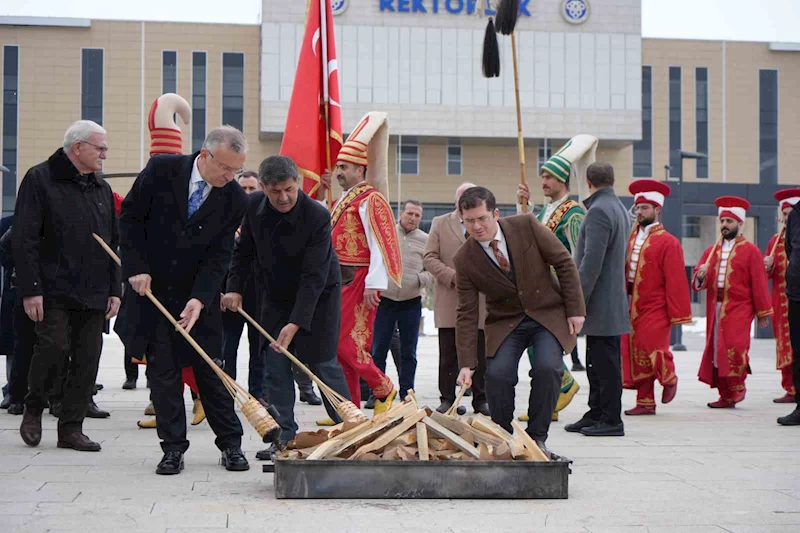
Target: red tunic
<point x="745" y="296"/>
<point x="659" y="300"/>
<point x="780" y="304"/>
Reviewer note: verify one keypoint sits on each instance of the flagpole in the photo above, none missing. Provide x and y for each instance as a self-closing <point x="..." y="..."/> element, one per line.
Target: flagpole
<point x="323" y="13"/>
<point x="399" y="169"/>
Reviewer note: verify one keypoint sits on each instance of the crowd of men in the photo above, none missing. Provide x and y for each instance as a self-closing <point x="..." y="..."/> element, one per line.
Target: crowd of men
<point x="336" y="284"/>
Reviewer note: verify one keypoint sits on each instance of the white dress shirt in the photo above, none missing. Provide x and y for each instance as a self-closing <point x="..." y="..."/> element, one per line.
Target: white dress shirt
<point x="551" y="208"/>
<point x="194" y="183"/>
<point x="501" y="245"/>
<point x="727" y="246"/>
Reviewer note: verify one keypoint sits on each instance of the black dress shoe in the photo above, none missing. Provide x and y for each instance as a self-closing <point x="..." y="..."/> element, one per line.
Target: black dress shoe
<point x="6" y="402"/>
<point x="482" y="408"/>
<point x="576" y="427"/>
<point x="98" y="387"/>
<point x="310" y="397"/>
<point x="446" y="405"/>
<point x="792" y="419"/>
<point x="130" y="384"/>
<point x="269" y="453"/>
<point x="31" y="428"/>
<point x="16" y="408"/>
<point x="578" y="367"/>
<point x="468" y="392"/>
<point x="171" y="464"/>
<point x="95" y="412"/>
<point x="604" y="429"/>
<point x="233" y="459"/>
<point x="370" y="402"/>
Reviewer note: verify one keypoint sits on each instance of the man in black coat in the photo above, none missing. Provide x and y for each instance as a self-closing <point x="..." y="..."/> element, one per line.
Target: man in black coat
<point x="288" y="237"/>
<point x="177" y="227"/>
<point x="792" y="242"/>
<point x="68" y="285"/>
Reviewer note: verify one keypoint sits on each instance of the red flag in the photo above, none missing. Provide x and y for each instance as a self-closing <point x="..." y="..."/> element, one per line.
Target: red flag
<point x="304" y="137"/>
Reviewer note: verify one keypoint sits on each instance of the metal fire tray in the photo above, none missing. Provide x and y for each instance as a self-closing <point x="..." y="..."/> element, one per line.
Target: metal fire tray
<point x="340" y="479"/>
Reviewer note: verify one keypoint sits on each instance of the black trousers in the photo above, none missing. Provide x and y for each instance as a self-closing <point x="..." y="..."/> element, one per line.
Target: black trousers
<point x="403" y="317"/>
<point x="166" y="391"/>
<point x="131" y="368"/>
<point x="605" y="379"/>
<point x="448" y="367"/>
<point x="547" y="368"/>
<point x="66" y="339"/>
<point x="232" y="327"/>
<point x="794" y="337"/>
<point x="24" y="342"/>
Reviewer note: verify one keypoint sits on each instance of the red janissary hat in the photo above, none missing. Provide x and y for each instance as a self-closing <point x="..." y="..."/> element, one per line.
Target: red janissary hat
<point x="649" y="191"/>
<point x="788" y="197"/>
<point x="733" y="207"/>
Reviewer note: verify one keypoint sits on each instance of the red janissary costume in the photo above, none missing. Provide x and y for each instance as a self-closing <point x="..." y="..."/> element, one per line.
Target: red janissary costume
<point x="365" y="239"/>
<point x="780" y="304"/>
<point x="737" y="292"/>
<point x="658" y="293"/>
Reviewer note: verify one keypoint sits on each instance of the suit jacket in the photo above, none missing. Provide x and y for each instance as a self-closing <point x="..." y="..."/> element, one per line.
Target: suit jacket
<point x="444" y="240"/>
<point x="297" y="271"/>
<point x="601" y="255"/>
<point x="187" y="258"/>
<point x="531" y="290"/>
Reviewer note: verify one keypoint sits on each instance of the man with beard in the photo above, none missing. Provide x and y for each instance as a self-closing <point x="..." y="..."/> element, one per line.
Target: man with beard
<point x="658" y="297"/>
<point x="732" y="271"/>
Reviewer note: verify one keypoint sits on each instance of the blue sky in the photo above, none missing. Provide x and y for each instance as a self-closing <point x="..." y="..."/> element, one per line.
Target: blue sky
<point x="734" y="20"/>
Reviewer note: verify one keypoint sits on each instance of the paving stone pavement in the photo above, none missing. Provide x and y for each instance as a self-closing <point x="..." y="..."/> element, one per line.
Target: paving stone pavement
<point x="687" y="470"/>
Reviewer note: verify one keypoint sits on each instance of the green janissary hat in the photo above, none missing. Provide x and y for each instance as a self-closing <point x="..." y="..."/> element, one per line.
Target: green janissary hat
<point x="558" y="167"/>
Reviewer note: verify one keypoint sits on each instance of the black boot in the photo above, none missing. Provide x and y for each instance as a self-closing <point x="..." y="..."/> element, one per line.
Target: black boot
<point x="370" y="401"/>
<point x="171" y="463"/>
<point x="31" y="428"/>
<point x="310" y="397"/>
<point x="269" y="453"/>
<point x="73" y="438"/>
<point x="233" y="459"/>
<point x="95" y="412"/>
<point x="130" y="384"/>
<point x="16" y="409"/>
<point x="792" y="419"/>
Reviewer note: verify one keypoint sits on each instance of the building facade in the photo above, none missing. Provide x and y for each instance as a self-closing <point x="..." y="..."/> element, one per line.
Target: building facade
<point x="583" y="68"/>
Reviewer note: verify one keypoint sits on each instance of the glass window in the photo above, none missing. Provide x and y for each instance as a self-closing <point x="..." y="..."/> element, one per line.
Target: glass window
<point x="691" y="227"/>
<point x="643" y="150"/>
<point x="675" y="122"/>
<point x="10" y="126"/>
<point x="169" y="71"/>
<point x="454" y="157"/>
<point x="409" y="154"/>
<point x="233" y="89"/>
<point x="92" y="84"/>
<point x="768" y="126"/>
<point x="701" y="114"/>
<point x="545" y="152"/>
<point x="198" y="100"/>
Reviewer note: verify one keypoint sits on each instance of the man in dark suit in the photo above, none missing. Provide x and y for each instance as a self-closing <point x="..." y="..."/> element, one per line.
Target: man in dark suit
<point x="177" y="227"/>
<point x="288" y="237"/>
<point x="510" y="262"/>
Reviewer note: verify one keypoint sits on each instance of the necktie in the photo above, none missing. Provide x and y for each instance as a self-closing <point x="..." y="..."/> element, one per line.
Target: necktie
<point x="196" y="198"/>
<point x="466" y="235"/>
<point x="501" y="259"/>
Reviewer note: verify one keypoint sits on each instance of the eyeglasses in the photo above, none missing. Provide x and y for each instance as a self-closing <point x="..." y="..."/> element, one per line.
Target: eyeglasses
<point x="481" y="220"/>
<point x="101" y="149"/>
<point x="225" y="167"/>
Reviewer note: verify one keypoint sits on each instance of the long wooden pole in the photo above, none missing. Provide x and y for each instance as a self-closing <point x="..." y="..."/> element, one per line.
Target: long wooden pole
<point x="775" y="246"/>
<point x="323" y="12"/>
<point x="520" y="140"/>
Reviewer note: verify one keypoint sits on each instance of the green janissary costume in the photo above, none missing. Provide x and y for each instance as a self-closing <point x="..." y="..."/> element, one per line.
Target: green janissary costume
<point x="564" y="218"/>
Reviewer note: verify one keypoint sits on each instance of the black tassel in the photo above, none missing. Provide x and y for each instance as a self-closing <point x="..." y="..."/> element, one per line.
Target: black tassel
<point x="491" y="52"/>
<point x="507" y="15"/>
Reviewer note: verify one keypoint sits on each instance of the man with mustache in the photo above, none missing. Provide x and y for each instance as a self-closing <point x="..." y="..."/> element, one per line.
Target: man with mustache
<point x="732" y="271"/>
<point x="658" y="297"/>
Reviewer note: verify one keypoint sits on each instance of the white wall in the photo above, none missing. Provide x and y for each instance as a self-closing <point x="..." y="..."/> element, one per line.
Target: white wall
<point x="425" y="70"/>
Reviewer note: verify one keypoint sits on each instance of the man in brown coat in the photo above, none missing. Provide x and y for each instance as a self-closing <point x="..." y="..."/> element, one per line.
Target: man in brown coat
<point x="446" y="237"/>
<point x="510" y="262"/>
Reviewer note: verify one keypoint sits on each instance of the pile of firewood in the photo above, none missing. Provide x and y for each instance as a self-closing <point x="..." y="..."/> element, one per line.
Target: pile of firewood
<point x="408" y="433"/>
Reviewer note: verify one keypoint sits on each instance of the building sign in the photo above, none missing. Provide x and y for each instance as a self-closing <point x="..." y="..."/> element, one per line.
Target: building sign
<point x="338" y="7"/>
<point x="575" y="11"/>
<point x="454" y="7"/>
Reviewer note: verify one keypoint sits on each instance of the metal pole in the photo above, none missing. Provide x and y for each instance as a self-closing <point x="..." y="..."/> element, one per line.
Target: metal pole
<point x="678" y="330"/>
<point x="399" y="170"/>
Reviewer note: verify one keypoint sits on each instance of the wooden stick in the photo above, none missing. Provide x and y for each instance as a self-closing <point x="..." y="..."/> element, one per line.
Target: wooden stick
<point x="536" y="453"/>
<point x="780" y="236"/>
<point x="445" y="433"/>
<point x="462" y="428"/>
<point x="328" y="147"/>
<point x="452" y="412"/>
<point x="520" y="139"/>
<point x="713" y="251"/>
<point x="422" y="441"/>
<point x="390" y="435"/>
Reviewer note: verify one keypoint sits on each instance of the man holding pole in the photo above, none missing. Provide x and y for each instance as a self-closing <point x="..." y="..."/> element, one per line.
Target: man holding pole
<point x="286" y="236"/>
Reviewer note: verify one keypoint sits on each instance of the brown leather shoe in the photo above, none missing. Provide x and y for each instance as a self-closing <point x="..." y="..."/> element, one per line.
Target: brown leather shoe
<point x="31" y="428"/>
<point x="76" y="440"/>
